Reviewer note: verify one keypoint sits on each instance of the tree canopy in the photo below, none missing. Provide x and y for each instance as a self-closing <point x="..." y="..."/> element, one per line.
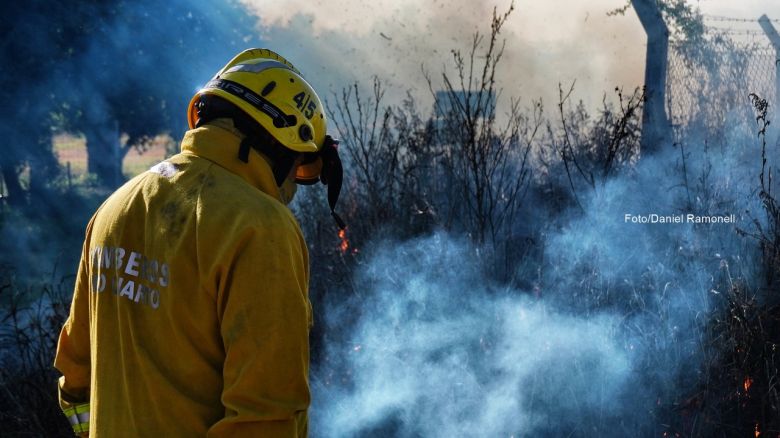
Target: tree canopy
<point x="91" y="66"/>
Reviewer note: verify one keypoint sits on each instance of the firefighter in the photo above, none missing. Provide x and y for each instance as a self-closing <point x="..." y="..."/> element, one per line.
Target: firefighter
<point x="190" y="315"/>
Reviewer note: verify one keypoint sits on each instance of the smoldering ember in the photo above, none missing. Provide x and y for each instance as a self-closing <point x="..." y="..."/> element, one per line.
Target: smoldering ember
<point x="688" y="218"/>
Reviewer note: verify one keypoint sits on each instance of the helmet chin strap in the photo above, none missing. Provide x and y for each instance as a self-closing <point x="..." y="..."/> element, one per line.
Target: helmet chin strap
<point x="332" y="175"/>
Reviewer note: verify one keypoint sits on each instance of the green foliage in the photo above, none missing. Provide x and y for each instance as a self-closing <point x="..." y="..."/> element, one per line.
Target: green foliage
<point x="685" y="22"/>
<point x="99" y="68"/>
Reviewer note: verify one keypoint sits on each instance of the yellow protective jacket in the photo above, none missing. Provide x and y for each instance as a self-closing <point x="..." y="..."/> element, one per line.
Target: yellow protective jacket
<point x="190" y="315"/>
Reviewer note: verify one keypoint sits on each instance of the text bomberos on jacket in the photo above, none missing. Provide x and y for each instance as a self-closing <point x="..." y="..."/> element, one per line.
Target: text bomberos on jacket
<point x="128" y="274"/>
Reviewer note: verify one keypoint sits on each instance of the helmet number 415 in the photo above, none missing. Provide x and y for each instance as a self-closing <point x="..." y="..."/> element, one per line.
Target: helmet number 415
<point x="305" y="104"/>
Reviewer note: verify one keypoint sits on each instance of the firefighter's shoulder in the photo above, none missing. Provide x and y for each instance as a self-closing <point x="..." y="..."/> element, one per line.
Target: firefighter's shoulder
<point x="231" y="200"/>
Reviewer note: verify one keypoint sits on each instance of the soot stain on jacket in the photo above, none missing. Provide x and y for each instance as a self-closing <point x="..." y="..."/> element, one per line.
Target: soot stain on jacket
<point x="173" y="222"/>
<point x="176" y="213"/>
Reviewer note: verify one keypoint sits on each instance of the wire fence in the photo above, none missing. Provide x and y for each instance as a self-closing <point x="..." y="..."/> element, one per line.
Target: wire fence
<point x="721" y="18"/>
<point x="709" y="83"/>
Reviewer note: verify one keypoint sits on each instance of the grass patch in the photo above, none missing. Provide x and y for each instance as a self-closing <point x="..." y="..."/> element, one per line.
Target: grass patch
<point x="71" y="152"/>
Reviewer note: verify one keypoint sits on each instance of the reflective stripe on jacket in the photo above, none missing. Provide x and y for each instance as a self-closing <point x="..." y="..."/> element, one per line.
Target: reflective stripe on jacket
<point x="190" y="315"/>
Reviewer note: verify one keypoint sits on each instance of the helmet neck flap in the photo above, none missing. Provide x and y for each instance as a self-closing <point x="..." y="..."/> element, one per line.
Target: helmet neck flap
<point x="282" y="159"/>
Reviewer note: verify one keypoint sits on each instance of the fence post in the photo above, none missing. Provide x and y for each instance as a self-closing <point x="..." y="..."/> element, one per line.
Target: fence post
<point x="774" y="38"/>
<point x="655" y="123"/>
<point x="70" y="186"/>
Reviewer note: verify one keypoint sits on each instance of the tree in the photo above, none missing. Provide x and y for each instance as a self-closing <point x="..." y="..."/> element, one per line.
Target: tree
<point x="38" y="37"/>
<point x="105" y="68"/>
<point x="130" y="84"/>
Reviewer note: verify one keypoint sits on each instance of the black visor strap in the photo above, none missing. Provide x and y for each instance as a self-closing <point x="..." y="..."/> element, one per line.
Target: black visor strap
<point x="280" y="119"/>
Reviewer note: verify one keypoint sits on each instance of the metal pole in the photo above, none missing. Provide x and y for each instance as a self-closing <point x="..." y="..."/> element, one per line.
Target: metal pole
<point x="774" y="39"/>
<point x="655" y="123"/>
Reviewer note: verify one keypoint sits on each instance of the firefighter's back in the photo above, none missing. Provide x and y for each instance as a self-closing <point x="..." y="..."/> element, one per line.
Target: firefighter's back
<point x="157" y="353"/>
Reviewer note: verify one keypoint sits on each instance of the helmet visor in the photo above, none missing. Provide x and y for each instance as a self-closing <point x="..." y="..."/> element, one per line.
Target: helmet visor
<point x="310" y="169"/>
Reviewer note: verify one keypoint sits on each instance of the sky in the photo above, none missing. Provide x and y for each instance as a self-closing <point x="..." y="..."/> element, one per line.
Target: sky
<point x="338" y="42"/>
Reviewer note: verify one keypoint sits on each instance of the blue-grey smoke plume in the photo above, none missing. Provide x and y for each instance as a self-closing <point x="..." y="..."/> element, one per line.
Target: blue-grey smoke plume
<point x="438" y="351"/>
<point x="616" y="322"/>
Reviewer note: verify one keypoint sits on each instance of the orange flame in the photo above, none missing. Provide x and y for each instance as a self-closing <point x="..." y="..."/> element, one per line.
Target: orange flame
<point x="748" y="382"/>
<point x="757" y="432"/>
<point x="344" y="246"/>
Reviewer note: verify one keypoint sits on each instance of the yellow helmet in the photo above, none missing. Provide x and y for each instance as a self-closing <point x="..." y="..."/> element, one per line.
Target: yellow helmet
<point x="272" y="92"/>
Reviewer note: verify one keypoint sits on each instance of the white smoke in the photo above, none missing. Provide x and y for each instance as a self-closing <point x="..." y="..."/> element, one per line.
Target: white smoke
<point x="429" y="346"/>
<point x="339" y="42"/>
<point x="437" y="351"/>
